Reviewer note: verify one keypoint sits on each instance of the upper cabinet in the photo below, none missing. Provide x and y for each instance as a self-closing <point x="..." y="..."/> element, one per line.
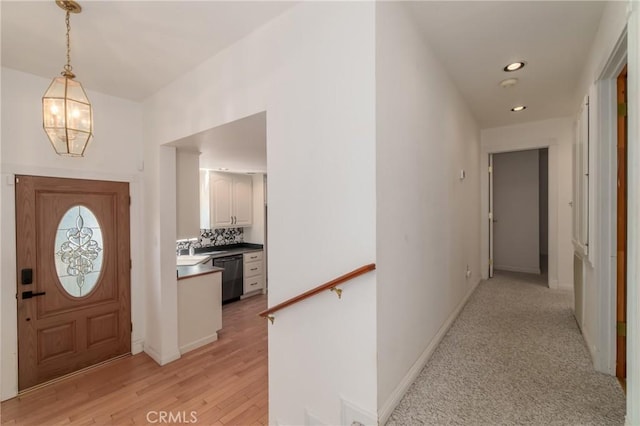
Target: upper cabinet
<point x="187" y="194"/>
<point x="230" y="200"/>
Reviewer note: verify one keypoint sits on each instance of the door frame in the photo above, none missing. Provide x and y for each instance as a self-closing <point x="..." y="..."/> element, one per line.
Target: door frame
<point x="491" y="219"/>
<point x="8" y="277"/>
<point x="604" y="161"/>
<point x="621" y="228"/>
<point x="488" y="150"/>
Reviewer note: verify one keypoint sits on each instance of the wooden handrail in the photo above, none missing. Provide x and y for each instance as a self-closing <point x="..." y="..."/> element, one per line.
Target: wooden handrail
<point x="331" y="285"/>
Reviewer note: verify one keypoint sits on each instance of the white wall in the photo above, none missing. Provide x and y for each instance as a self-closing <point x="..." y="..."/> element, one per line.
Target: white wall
<point x="255" y="232"/>
<point x="115" y="154"/>
<point x="312" y="69"/>
<point x="427" y="218"/>
<point x="557" y="135"/>
<point x="187" y="193"/>
<point x="516" y="209"/>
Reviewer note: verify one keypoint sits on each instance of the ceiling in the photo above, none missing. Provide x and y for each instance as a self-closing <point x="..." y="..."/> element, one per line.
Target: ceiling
<point x="131" y="49"/>
<point x="128" y="49"/>
<point x="475" y="39"/>
<point x="239" y="146"/>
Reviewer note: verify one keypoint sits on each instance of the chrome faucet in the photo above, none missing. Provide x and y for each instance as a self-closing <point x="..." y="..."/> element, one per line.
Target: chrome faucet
<point x="192" y="249"/>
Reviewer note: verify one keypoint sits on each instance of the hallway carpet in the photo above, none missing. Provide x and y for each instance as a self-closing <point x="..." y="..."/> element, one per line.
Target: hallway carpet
<point x="515" y="355"/>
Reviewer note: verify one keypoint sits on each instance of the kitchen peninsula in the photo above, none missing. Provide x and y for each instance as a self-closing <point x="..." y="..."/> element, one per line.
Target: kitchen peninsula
<point x="199" y="305"/>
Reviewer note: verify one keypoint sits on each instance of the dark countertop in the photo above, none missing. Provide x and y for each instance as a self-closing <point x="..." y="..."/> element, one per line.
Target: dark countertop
<point x="214" y="253"/>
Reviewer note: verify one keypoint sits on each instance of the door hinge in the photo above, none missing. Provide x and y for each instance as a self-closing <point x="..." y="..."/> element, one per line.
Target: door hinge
<point x="130" y="264"/>
<point x="490" y="169"/>
<point x="131" y="326"/>
<point x="621" y="328"/>
<point x="622" y="110"/>
<point x="490" y="215"/>
<point x="490" y="261"/>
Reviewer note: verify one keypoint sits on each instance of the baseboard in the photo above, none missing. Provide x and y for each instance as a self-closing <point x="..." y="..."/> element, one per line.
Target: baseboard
<point x="200" y="342"/>
<point x="590" y="346"/>
<point x="517" y="269"/>
<point x="553" y="284"/>
<point x="565" y="287"/>
<point x="137" y="346"/>
<point x="351" y="414"/>
<point x="397" y="394"/>
<point x="153" y="353"/>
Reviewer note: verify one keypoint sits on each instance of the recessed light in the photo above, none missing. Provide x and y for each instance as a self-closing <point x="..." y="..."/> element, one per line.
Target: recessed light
<point x="514" y="66"/>
<point x="509" y="82"/>
<point x="518" y="108"/>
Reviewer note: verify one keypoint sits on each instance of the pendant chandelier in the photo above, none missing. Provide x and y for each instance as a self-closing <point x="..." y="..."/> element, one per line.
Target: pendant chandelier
<point x="67" y="116"/>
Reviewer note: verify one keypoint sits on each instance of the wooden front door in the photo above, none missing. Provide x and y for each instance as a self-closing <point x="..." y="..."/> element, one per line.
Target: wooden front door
<point x="621" y="308"/>
<point x="73" y="270"/>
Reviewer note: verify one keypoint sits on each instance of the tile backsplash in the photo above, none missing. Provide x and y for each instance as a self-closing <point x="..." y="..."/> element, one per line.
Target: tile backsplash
<point x="214" y="237"/>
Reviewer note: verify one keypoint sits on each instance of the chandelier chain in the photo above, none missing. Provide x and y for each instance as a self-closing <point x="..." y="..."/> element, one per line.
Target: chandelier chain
<point x="68" y="66"/>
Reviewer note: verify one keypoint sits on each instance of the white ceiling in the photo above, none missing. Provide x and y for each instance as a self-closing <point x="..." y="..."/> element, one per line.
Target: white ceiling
<point x="130" y="49"/>
<point x="475" y="39"/>
<point x="239" y="146"/>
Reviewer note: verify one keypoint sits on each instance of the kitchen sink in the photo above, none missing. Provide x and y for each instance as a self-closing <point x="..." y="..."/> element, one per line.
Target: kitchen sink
<point x="190" y="260"/>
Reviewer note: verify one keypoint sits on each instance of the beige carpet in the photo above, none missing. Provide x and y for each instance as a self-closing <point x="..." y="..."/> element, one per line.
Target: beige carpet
<point x="514" y="356"/>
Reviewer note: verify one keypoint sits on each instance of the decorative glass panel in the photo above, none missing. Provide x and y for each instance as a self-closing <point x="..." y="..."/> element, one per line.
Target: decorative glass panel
<point x="78" y="251"/>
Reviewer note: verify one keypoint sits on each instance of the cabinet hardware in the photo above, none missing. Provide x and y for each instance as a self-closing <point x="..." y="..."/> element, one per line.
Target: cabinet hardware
<point x="254" y="269"/>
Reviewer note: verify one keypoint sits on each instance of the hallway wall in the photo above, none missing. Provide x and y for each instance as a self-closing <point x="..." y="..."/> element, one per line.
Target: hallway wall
<point x="312" y="69"/>
<point x="428" y="221"/>
<point x="614" y="44"/>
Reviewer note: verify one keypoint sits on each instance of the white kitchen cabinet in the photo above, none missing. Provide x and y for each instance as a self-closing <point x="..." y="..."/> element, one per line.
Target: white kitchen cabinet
<point x="187" y="194"/>
<point x="253" y="272"/>
<point x="230" y="200"/>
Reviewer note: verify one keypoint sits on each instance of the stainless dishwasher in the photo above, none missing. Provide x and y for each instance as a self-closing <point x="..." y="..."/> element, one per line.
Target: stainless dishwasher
<point x="232" y="282"/>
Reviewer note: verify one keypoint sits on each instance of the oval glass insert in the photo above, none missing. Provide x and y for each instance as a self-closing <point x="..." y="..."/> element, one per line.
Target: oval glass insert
<point x="78" y="251"/>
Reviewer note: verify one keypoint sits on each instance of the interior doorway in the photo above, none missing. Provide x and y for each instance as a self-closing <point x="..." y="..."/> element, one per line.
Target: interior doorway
<point x="519" y="211"/>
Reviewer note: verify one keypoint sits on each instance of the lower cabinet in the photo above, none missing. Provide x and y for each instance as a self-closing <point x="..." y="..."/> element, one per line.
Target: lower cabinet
<point x="199" y="310"/>
<point x="253" y="273"/>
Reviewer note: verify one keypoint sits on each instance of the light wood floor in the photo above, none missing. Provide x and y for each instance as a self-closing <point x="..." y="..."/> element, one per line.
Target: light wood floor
<point x="224" y="383"/>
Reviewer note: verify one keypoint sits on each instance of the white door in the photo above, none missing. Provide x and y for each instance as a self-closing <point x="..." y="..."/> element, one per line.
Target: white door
<point x="516" y="210"/>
